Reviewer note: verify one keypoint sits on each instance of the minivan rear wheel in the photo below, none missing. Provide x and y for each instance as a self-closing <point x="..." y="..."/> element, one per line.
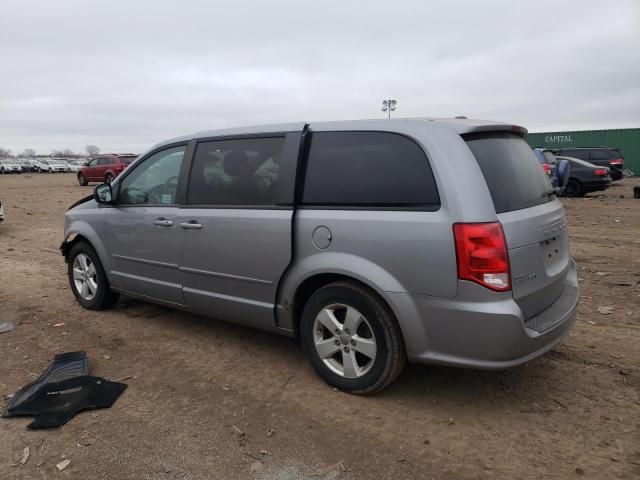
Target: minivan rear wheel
<point x="82" y="180"/>
<point x="87" y="278"/>
<point x="351" y="338"/>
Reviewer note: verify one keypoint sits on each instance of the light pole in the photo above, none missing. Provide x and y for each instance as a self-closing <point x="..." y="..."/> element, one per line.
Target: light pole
<point x="389" y="106"/>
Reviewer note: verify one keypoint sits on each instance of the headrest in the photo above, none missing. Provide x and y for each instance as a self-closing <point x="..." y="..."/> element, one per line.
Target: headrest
<point x="236" y="163"/>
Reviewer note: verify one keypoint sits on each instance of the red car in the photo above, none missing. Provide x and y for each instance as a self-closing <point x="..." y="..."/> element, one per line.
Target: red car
<point x="104" y="167"/>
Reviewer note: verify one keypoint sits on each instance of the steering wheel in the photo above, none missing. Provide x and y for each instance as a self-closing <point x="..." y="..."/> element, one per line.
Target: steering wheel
<point x="171" y="185"/>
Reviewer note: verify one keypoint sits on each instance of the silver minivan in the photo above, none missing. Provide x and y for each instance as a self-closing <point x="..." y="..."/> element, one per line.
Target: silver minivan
<point x="374" y="242"/>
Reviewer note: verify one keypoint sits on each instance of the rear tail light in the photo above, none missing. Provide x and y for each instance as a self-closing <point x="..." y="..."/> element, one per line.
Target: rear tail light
<point x="481" y="251"/>
<point x="547" y="168"/>
<point x="616" y="161"/>
<point x="600" y="172"/>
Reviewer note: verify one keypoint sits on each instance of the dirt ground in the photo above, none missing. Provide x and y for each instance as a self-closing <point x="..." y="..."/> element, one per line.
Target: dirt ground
<point x="195" y="383"/>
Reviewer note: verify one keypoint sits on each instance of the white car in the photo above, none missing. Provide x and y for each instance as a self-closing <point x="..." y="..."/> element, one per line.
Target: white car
<point x="10" y="166"/>
<point x="73" y="167"/>
<point x="58" y="165"/>
<point x="41" y="165"/>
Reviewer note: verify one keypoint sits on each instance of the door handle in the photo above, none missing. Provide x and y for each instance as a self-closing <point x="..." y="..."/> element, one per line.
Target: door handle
<point x="191" y="225"/>
<point x="163" y="222"/>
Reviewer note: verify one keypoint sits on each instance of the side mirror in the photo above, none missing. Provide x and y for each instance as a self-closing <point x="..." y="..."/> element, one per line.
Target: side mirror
<point x="103" y="194"/>
<point x="564" y="169"/>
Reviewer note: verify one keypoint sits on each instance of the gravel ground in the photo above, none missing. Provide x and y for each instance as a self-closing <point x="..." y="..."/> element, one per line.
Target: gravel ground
<point x="211" y="400"/>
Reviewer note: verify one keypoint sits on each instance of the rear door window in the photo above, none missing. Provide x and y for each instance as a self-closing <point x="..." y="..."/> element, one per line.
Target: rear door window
<point x="599" y="155"/>
<point x="581" y="154"/>
<point x="242" y="172"/>
<point x="511" y="170"/>
<point x="368" y="169"/>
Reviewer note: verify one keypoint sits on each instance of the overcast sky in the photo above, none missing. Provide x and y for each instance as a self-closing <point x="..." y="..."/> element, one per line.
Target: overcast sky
<point x="126" y="74"/>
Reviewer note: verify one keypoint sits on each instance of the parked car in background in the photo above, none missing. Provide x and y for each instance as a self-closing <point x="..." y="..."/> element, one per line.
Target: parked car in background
<point x="1" y="212"/>
<point x="347" y="235"/>
<point x="104" y="167"/>
<point x="557" y="171"/>
<point x="41" y="165"/>
<point x="585" y="178"/>
<point x="58" y="165"/>
<point x="27" y="165"/>
<point x="74" y="166"/>
<point x="10" y="166"/>
<point x="600" y="156"/>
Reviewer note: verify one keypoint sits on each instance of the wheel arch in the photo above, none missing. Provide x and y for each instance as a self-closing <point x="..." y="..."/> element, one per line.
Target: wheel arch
<point x="84" y="232"/>
<point x="313" y="273"/>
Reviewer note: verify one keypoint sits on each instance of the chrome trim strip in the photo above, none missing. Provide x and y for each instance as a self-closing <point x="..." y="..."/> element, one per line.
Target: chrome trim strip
<point x="228" y="298"/>
<point x="225" y="275"/>
<point x="147" y="262"/>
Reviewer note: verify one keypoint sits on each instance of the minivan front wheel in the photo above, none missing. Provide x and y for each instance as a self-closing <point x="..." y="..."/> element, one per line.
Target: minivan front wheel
<point x="351" y="338"/>
<point x="87" y="278"/>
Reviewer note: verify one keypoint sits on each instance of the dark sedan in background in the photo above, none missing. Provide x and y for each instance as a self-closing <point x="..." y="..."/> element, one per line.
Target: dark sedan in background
<point x="585" y="177"/>
<point x="600" y="156"/>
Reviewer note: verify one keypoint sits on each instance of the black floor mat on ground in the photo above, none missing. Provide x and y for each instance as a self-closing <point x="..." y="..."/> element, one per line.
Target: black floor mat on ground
<point x="56" y="403"/>
<point x="64" y="366"/>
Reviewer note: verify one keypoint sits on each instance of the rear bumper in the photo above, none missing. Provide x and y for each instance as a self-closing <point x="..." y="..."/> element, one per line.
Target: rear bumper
<point x="485" y="330"/>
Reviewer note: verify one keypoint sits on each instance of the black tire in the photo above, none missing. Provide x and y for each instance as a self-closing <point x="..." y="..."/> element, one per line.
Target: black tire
<point x="108" y="178"/>
<point x="104" y="297"/>
<point x="390" y="353"/>
<point x="82" y="180"/>
<point x="572" y="188"/>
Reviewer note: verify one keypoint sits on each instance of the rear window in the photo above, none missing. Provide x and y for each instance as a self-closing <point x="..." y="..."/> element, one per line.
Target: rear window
<point x="581" y="154"/>
<point x="513" y="175"/>
<point x="368" y="169"/>
<point x="601" y="154"/>
<point x="549" y="157"/>
<point x="127" y="160"/>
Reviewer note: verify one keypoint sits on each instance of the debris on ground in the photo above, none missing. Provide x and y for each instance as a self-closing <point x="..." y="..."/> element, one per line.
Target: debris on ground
<point x="605" y="310"/>
<point x="61" y="324"/>
<point x="62" y="391"/>
<point x="63" y="464"/>
<point x="337" y="468"/>
<point x="270" y="432"/>
<point x="25" y="456"/>
<point x="6" y="327"/>
<point x="256" y="467"/>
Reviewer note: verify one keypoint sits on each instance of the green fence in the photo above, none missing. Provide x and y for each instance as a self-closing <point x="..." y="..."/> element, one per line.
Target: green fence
<point x="626" y="139"/>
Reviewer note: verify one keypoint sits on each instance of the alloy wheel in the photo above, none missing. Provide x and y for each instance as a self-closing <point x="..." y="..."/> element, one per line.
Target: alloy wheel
<point x="85" y="277"/>
<point x="344" y="340"/>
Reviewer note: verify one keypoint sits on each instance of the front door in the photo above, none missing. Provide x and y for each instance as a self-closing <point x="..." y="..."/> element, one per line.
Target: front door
<point x="91" y="170"/>
<point x="143" y="238"/>
<point x="236" y="226"/>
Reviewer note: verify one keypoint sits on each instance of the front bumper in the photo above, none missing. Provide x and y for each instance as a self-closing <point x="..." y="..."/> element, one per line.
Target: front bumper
<point x="482" y="329"/>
